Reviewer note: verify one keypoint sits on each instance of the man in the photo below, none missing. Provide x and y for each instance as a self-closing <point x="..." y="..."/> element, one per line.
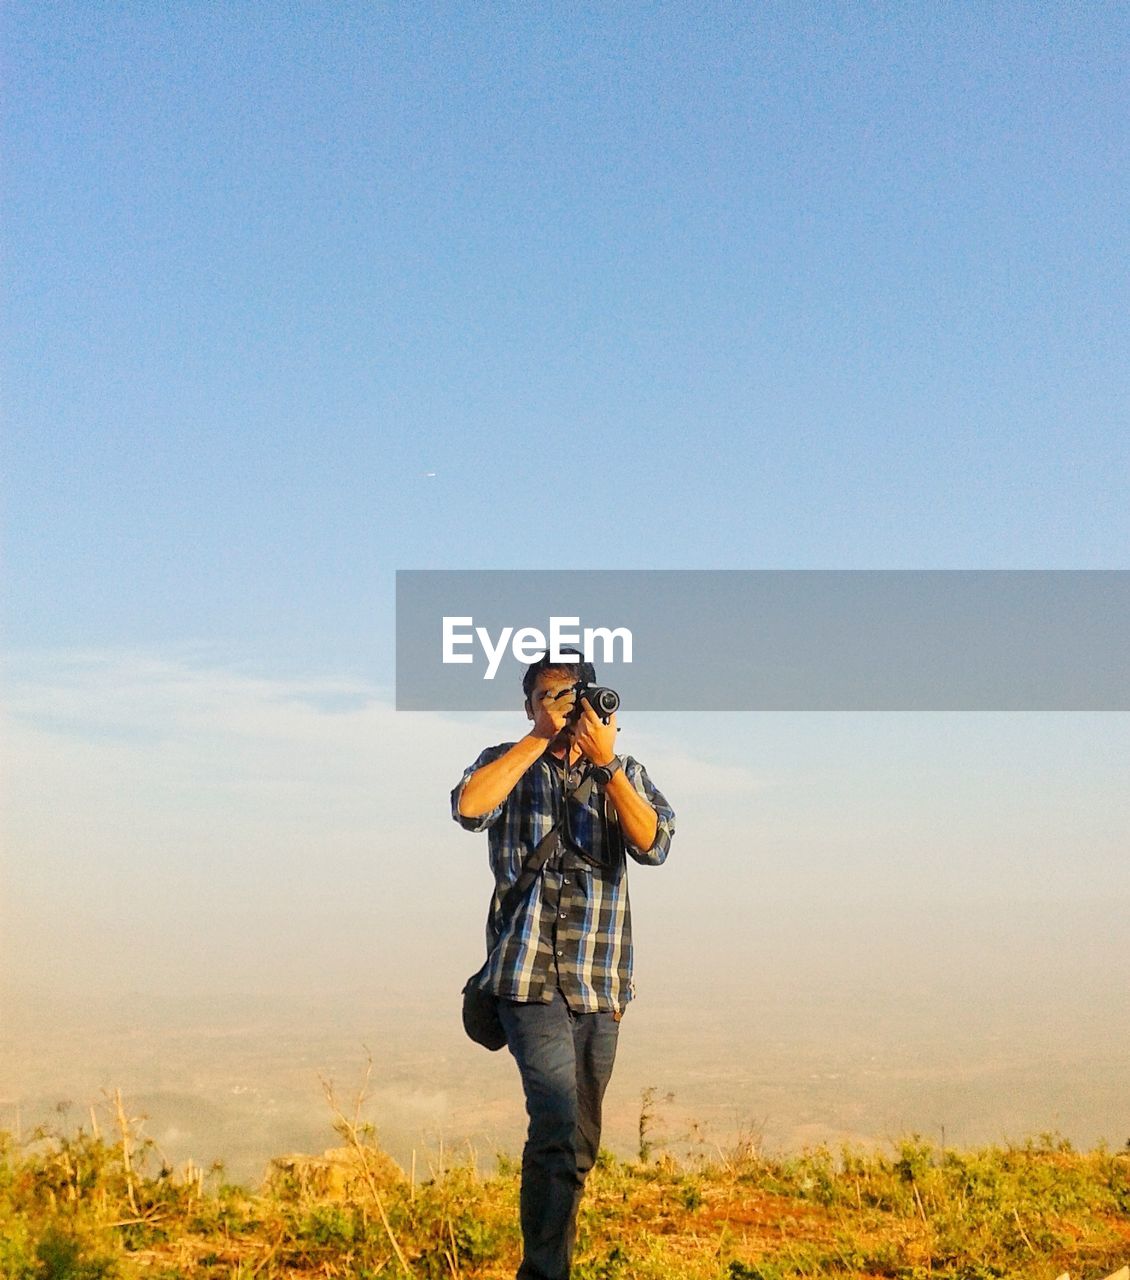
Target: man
<point x="561" y="963"/>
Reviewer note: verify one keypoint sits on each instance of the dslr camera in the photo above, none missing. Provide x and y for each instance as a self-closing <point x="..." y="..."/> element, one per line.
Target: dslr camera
<point x="604" y="701"/>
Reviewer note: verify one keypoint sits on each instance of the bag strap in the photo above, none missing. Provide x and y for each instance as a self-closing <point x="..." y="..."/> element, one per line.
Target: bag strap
<point x="545" y="848"/>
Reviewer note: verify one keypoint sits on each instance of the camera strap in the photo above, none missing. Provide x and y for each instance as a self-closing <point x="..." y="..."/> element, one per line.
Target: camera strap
<point x="583" y="791"/>
<point x="582" y="794"/>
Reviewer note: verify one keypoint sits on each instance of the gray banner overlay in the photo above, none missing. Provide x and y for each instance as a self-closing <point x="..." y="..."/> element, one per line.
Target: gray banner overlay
<point x="784" y="640"/>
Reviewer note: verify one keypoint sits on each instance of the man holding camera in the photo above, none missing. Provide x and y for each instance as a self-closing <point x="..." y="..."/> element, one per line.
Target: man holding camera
<point x="561" y="962"/>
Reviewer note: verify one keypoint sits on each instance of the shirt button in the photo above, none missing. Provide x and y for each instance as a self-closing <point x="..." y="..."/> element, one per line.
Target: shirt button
<point x="561" y="953"/>
<point x="564" y="881"/>
<point x="562" y="915"/>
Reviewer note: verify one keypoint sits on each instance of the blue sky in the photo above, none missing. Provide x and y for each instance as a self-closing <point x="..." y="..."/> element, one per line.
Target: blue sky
<point x="646" y="286"/>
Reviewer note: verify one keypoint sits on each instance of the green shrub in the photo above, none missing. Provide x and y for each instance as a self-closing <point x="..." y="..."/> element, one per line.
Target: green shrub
<point x="61" y="1255"/>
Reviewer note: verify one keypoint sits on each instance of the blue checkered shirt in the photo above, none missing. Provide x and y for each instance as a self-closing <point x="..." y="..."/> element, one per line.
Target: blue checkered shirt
<point x="573" y="929"/>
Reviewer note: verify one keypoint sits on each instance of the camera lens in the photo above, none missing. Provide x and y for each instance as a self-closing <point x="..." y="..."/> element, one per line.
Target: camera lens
<point x="605" y="701"/>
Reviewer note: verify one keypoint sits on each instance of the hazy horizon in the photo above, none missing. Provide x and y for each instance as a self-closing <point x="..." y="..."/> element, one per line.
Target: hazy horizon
<point x="793" y="1059"/>
<point x="868" y="923"/>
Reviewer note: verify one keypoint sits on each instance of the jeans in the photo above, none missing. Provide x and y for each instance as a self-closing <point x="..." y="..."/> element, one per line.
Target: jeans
<point x="565" y="1060"/>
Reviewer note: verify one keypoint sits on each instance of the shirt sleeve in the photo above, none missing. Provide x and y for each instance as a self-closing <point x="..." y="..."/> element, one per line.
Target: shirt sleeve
<point x="665" y="828"/>
<point x="485" y="820"/>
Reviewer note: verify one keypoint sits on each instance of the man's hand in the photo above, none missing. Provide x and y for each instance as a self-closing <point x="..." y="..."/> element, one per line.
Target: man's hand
<point x="596" y="739"/>
<point x="551" y="709"/>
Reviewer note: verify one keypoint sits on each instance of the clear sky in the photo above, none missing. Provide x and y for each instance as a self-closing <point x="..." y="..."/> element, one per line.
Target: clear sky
<point x="644" y="286"/>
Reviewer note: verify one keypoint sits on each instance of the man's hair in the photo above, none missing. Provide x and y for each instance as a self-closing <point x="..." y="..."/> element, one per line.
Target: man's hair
<point x="582" y="669"/>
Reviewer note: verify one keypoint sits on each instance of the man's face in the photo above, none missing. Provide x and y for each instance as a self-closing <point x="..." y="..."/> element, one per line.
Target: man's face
<point x="551" y="682"/>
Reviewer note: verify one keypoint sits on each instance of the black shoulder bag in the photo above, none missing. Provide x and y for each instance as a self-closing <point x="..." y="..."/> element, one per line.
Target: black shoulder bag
<point x="480" y="1007"/>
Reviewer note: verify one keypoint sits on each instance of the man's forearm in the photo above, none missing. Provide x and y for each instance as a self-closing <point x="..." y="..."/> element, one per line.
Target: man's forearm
<point x="489" y="786"/>
<point x="638" y="820"/>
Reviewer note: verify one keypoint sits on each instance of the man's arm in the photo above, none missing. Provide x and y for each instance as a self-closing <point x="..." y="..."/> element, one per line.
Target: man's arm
<point x="489" y="785"/>
<point x="654" y="854"/>
<point x="639" y="819"/>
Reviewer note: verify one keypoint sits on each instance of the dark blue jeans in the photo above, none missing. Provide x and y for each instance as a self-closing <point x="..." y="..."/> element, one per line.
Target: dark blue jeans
<point x="566" y="1061"/>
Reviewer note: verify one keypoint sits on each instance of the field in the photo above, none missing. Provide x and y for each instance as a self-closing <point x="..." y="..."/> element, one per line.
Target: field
<point x="79" y="1205"/>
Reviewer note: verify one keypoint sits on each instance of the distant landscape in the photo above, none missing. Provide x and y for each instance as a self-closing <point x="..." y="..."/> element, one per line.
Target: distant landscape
<point x="237" y="1078"/>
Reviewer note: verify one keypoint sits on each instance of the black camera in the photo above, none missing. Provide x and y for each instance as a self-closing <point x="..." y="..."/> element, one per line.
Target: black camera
<point x="604" y="701"/>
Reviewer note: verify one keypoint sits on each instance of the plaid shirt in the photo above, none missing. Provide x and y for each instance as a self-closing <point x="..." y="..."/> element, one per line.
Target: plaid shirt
<point x="573" y="929"/>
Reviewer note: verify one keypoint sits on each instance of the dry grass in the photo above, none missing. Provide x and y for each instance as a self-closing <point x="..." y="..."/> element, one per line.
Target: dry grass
<point x="80" y="1207"/>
